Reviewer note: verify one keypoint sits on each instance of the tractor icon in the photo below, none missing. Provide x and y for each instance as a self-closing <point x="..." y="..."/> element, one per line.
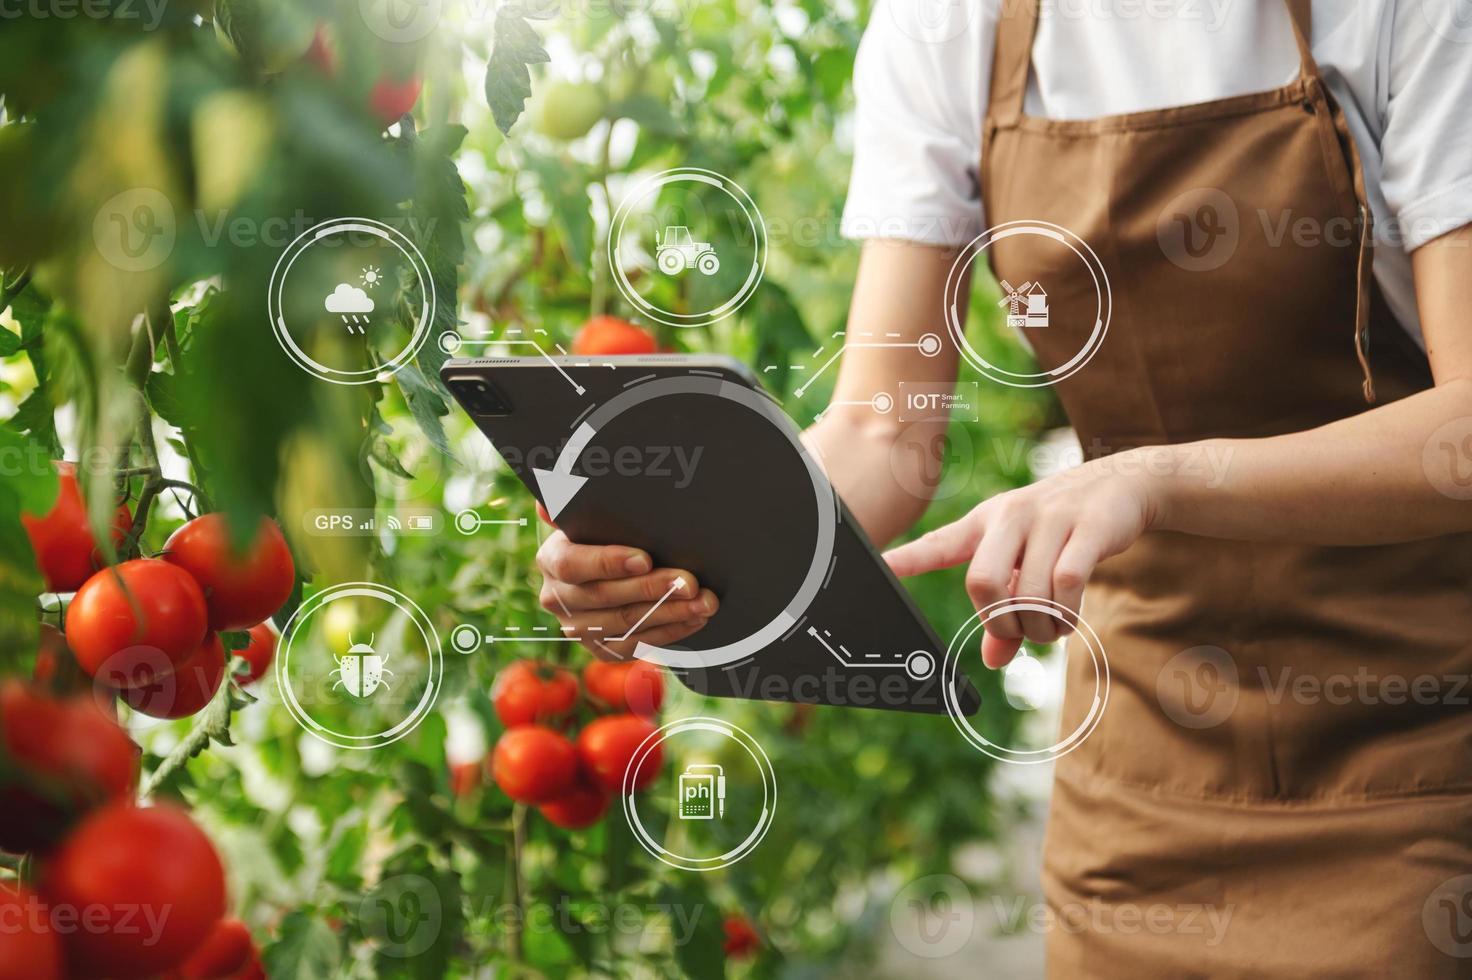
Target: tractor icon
<point x="360" y="671"/>
<point x="676" y="252"/>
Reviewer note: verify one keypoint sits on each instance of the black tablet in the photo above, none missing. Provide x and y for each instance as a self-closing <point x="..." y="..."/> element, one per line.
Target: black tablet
<point x="690" y="459"/>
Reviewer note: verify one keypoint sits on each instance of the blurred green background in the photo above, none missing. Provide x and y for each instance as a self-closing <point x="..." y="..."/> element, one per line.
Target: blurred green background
<point x="156" y="160"/>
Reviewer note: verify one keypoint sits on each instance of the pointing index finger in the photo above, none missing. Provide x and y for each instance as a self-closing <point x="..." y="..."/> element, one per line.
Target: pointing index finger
<point x="949" y="545"/>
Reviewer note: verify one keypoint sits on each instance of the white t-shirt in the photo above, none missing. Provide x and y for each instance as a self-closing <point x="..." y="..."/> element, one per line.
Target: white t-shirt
<point x="1400" y="69"/>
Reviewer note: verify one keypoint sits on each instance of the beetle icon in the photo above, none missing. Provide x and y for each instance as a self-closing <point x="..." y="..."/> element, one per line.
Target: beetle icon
<point x="360" y="671"/>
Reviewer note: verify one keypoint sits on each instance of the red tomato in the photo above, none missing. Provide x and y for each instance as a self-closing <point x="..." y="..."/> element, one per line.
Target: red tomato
<point x="187" y="690"/>
<point x="741" y="937"/>
<point x="582" y="806"/>
<point x="606" y="748"/>
<point x="259" y="654"/>
<point x="241" y="590"/>
<point x="389" y="99"/>
<point x="60" y="757"/>
<point x="62" y="540"/>
<point x="533" y="764"/>
<point x="224" y="953"/>
<point x="635" y="686"/>
<point x="611" y="335"/>
<point x="153" y="879"/>
<point x="533" y="692"/>
<point x="29" y="949"/>
<point x="465" y="777"/>
<point x="136" y="623"/>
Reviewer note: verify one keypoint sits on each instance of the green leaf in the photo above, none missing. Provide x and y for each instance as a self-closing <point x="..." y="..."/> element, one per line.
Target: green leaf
<point x="515" y="47"/>
<point x="414" y="918"/>
<point x="425" y="405"/>
<point x="566" y="188"/>
<point x="29" y="486"/>
<point x="307" y="949"/>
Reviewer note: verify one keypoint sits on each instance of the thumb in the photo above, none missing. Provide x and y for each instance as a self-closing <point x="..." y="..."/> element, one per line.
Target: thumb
<point x="945" y="546"/>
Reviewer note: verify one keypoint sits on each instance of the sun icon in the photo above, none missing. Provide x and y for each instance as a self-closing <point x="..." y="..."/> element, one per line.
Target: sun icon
<point x="371" y="276"/>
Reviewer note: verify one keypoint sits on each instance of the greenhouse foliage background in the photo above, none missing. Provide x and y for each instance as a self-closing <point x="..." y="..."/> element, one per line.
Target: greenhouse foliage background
<point x="248" y="129"/>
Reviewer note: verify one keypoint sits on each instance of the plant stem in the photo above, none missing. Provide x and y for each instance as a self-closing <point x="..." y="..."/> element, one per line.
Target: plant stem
<point x="518" y="886"/>
<point x="211" y="724"/>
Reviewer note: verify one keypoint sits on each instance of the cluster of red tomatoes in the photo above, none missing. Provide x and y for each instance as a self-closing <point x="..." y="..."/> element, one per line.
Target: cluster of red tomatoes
<point x="571" y="776"/>
<point x="149" y="628"/>
<point x="120" y="890"/>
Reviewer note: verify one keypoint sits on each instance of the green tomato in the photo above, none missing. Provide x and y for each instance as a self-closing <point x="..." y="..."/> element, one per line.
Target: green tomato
<point x="566" y="110"/>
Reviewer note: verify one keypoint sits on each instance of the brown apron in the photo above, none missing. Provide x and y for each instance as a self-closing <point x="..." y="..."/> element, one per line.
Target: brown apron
<point x="1281" y="784"/>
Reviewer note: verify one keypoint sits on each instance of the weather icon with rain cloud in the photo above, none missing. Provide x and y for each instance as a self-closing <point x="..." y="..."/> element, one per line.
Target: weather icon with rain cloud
<point x="352" y="303"/>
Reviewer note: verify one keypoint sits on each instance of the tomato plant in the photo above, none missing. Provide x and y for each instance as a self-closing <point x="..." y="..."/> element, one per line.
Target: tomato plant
<point x="124" y="861"/>
<point x="158" y="172"/>
<point x="529" y="693"/>
<point x="241" y="586"/>
<point x="66" y="550"/>
<point x="532" y="764"/>
<point x="136" y="623"/>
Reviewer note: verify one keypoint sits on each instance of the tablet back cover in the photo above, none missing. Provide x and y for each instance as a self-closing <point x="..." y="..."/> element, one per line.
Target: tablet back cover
<point x="681" y="462"/>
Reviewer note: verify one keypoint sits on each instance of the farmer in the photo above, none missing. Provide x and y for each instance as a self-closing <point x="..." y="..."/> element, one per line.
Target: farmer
<point x="1279" y="195"/>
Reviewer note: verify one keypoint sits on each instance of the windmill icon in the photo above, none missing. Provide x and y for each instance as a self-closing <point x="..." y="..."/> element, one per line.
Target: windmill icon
<point x="1027" y="305"/>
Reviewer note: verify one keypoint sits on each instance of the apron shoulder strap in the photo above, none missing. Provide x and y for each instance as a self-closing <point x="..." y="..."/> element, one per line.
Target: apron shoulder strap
<point x="1301" y="14"/>
<point x="1011" y="61"/>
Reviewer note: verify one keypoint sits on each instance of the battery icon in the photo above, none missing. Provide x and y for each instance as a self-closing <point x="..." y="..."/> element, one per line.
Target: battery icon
<point x="421" y="522"/>
<point x="702" y="792"/>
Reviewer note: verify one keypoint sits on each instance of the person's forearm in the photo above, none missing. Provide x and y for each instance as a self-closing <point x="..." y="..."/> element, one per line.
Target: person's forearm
<point x="884" y="469"/>
<point x="857" y="451"/>
<point x="1396" y="473"/>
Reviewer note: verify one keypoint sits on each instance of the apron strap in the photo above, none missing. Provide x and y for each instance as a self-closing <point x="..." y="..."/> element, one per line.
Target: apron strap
<point x="1300" y="13"/>
<point x="1011" y="61"/>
